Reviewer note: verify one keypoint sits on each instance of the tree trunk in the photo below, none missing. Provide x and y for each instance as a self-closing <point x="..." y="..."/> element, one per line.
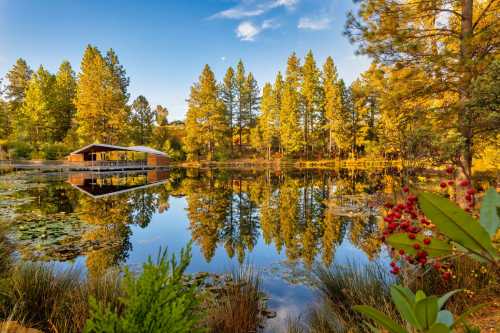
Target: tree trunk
<point x="464" y="111"/>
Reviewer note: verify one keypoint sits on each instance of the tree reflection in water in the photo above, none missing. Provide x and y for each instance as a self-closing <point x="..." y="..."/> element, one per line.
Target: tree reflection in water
<point x="307" y="214"/>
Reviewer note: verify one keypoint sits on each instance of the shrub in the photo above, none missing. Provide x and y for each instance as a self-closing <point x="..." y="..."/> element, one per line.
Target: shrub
<point x="155" y="301"/>
<point x="54" y="151"/>
<point x="20" y="150"/>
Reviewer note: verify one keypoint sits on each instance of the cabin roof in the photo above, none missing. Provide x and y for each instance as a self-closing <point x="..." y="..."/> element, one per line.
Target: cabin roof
<point x="101" y="147"/>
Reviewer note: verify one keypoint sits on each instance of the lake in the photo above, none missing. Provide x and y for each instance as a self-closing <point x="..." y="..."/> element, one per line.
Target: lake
<point x="282" y="222"/>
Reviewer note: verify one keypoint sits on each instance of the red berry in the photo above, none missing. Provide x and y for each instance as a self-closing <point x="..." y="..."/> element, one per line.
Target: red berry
<point x="446" y="276"/>
<point x="464" y="183"/>
<point x="397" y="215"/>
<point x="471" y="191"/>
<point x="442" y="184"/>
<point x="449" y="169"/>
<point x="412" y="236"/>
<point x="437" y="266"/>
<point x="451" y="182"/>
<point x="468" y="197"/>
<point x="427" y="241"/>
<point x="468" y="210"/>
<point x="395" y="271"/>
<point x="416" y="246"/>
<point x="401" y="251"/>
<point x="393" y="225"/>
<point x="406" y="189"/>
<point x="422" y="260"/>
<point x="393" y="264"/>
<point x="388" y="205"/>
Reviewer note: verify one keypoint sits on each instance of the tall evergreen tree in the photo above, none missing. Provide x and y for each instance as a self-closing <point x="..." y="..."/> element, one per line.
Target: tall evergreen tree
<point x="242" y="100"/>
<point x="310" y="90"/>
<point x="142" y="121"/>
<point x="253" y="100"/>
<point x="290" y="133"/>
<point x="17" y="83"/>
<point x="332" y="102"/>
<point x="64" y="109"/>
<point x="278" y="94"/>
<point x="229" y="96"/>
<point x="206" y="120"/>
<point x="118" y="72"/>
<point x="36" y="120"/>
<point x="451" y="41"/>
<point x="101" y="112"/>
<point x="266" y="131"/>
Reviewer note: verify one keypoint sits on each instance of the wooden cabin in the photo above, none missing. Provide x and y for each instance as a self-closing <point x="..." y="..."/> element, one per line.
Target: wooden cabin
<point x="98" y="155"/>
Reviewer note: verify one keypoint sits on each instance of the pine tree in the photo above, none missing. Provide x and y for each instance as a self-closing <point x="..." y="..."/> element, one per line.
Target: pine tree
<point x="101" y="112"/>
<point x="17" y="83"/>
<point x="160" y="131"/>
<point x="310" y="90"/>
<point x="206" y="121"/>
<point x="452" y="42"/>
<point x="229" y="96"/>
<point x="253" y="101"/>
<point x="341" y="129"/>
<point x="277" y="94"/>
<point x="290" y="133"/>
<point x="266" y="131"/>
<point x="332" y="98"/>
<point x="242" y="100"/>
<point x="142" y="121"/>
<point x="118" y="72"/>
<point x="290" y="130"/>
<point x="64" y="110"/>
<point x="35" y="121"/>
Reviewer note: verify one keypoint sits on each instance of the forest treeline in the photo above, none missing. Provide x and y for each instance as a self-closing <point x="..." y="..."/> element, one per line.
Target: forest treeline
<point x="431" y="93"/>
<point x="45" y="115"/>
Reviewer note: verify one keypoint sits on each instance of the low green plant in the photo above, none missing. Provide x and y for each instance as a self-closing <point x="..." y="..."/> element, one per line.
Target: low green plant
<point x="422" y="313"/>
<point x="20" y="150"/>
<point x="157" y="300"/>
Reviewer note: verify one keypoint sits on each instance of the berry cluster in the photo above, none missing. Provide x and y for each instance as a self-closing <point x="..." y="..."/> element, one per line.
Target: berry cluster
<point x="405" y="217"/>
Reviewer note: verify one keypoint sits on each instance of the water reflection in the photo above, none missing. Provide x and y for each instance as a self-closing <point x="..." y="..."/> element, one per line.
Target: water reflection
<point x="304" y="214"/>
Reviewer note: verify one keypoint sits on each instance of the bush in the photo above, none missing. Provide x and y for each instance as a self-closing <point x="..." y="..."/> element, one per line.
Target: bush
<point x="155" y="301"/>
<point x="54" y="151"/>
<point x="20" y="150"/>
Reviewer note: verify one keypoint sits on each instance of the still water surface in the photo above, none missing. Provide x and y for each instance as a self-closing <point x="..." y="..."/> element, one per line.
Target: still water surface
<point x="282" y="222"/>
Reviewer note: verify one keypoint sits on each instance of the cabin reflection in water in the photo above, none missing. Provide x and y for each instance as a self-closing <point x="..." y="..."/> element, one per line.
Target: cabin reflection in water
<point x="99" y="185"/>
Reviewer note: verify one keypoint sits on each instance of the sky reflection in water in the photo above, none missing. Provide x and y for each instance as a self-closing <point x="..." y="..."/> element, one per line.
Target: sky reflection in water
<point x="280" y="222"/>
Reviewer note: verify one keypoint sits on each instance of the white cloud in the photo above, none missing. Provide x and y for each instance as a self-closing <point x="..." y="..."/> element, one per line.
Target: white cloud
<point x="247" y="31"/>
<point x="244" y="10"/>
<point x="314" y="23"/>
<point x="237" y="13"/>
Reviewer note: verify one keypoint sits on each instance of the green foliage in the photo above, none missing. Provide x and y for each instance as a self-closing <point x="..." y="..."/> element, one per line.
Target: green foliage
<point x="436" y="248"/>
<point x="101" y="111"/>
<point x="459" y="226"/>
<point x="490" y="214"/>
<point x="55" y="151"/>
<point x="423" y="313"/>
<point x="142" y="121"/>
<point x="157" y="300"/>
<point x="206" y="119"/>
<point x="20" y="150"/>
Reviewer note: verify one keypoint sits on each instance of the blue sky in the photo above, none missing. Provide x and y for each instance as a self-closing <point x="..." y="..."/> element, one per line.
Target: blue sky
<point x="165" y="44"/>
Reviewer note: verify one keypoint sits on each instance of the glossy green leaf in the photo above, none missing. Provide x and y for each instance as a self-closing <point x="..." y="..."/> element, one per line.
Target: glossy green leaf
<point x="426" y="311"/>
<point x="445" y="317"/>
<point x="437" y="248"/>
<point x="455" y="223"/>
<point x="405" y="305"/>
<point x="489" y="215"/>
<point x="380" y="318"/>
<point x="420" y="295"/>
<point x="439" y="328"/>
<point x="443" y="299"/>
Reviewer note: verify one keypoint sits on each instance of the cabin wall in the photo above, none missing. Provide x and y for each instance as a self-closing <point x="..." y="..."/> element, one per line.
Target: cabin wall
<point x="157" y="160"/>
<point x="76" y="158"/>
